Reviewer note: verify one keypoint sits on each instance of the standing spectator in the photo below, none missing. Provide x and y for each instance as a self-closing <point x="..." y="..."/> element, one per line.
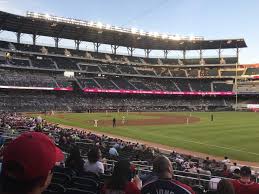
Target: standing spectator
<point x="225" y="187"/>
<point x="114" y="122"/>
<point x="226" y="160"/>
<point x="93" y="163"/>
<point x="28" y="162"/>
<point x="120" y="182"/>
<point x="165" y="183"/>
<point x="245" y="185"/>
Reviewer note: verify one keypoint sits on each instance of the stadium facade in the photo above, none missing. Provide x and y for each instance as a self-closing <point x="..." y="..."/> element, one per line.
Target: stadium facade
<point x="34" y="77"/>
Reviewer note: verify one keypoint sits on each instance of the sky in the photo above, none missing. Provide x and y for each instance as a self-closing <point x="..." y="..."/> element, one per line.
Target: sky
<point x="212" y="19"/>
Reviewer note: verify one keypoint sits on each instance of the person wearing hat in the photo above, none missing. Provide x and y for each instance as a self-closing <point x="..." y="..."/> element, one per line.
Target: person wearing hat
<point x="245" y="185"/>
<point x="164" y="183"/>
<point x="28" y="162"/>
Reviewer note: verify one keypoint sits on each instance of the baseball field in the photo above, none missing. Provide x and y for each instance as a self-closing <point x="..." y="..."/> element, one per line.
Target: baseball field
<point x="232" y="134"/>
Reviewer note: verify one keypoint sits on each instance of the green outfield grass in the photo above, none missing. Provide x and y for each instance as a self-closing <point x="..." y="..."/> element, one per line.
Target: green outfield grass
<point x="235" y="134"/>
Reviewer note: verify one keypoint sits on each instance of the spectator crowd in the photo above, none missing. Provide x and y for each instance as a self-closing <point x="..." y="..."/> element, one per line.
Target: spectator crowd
<point x="39" y="157"/>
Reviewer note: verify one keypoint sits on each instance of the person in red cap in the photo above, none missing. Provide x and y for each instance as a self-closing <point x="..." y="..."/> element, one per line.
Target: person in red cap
<point x="245" y="185"/>
<point x="27" y="164"/>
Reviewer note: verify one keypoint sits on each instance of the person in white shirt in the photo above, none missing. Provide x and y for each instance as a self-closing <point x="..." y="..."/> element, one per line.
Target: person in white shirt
<point x="234" y="167"/>
<point x="93" y="163"/>
<point x="226" y="160"/>
<point x="213" y="183"/>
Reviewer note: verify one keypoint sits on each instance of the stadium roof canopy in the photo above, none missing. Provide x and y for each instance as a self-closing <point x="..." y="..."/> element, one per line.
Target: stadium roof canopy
<point x="58" y="27"/>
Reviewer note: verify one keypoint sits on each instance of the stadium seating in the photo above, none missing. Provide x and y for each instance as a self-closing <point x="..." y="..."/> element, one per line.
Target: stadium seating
<point x="66" y="63"/>
<point x="126" y="69"/>
<point x="68" y="180"/>
<point x="43" y="63"/>
<point x="19" y="62"/>
<point x="183" y="85"/>
<point x="222" y="87"/>
<point x="252" y="71"/>
<point x="231" y="73"/>
<point x="106" y="83"/>
<point x="89" y="83"/>
<point x="201" y="85"/>
<point x="109" y="68"/>
<point x="123" y="84"/>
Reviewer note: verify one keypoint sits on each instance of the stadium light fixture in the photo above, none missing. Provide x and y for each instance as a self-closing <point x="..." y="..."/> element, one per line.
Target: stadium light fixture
<point x="155" y="34"/>
<point x="175" y="37"/>
<point x="164" y="36"/>
<point x="142" y="32"/>
<point x="47" y="16"/>
<point x="229" y="41"/>
<point x="150" y="34"/>
<point x="91" y="23"/>
<point x="134" y="30"/>
<point x="191" y="37"/>
<point x="99" y="25"/>
<point x="108" y="26"/>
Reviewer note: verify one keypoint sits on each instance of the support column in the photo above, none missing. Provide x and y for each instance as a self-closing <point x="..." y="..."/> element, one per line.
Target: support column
<point x="34" y="38"/>
<point x="201" y="54"/>
<point x="18" y="36"/>
<point x="56" y="39"/>
<point x="237" y="54"/>
<point x="96" y="46"/>
<point x="147" y="52"/>
<point x="130" y="50"/>
<point x="114" y="49"/>
<point x="77" y="44"/>
<point x="165" y="53"/>
<point x="184" y="54"/>
<point x="220" y="51"/>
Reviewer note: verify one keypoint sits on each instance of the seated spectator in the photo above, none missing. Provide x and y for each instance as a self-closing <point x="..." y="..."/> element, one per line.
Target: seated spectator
<point x="234" y="167"/>
<point x="225" y="187"/>
<point x="192" y="168"/>
<point x="28" y="162"/>
<point x="225" y="172"/>
<point x="162" y="167"/>
<point x="213" y="183"/>
<point x="236" y="174"/>
<point x="113" y="152"/>
<point x="75" y="161"/>
<point x="245" y="185"/>
<point x="93" y="163"/>
<point x="120" y="182"/>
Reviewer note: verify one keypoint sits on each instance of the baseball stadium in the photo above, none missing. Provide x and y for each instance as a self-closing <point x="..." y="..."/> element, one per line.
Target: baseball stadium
<point x="195" y="110"/>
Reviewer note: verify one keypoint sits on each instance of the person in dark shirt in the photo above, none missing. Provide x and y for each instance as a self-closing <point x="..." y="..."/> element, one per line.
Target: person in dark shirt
<point x="164" y="183"/>
<point x="120" y="182"/>
<point x="114" y="122"/>
<point x="75" y="161"/>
